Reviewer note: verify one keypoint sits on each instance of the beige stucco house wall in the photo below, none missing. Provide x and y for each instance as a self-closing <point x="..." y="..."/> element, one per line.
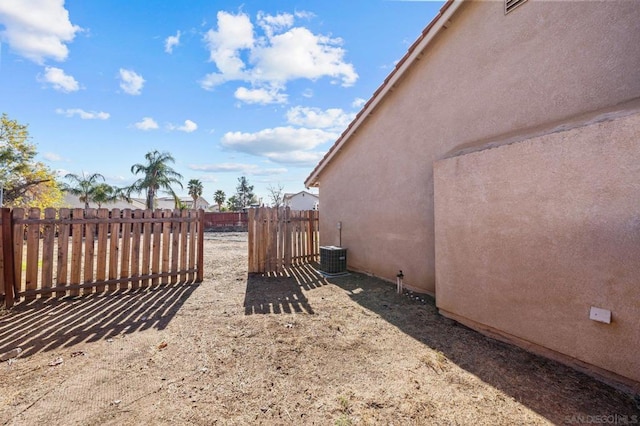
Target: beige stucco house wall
<point x="475" y="79"/>
<point x="530" y="236"/>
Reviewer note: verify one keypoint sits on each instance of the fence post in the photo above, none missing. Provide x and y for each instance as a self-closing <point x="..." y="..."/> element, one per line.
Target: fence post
<point x="200" y="229"/>
<point x="7" y="261"/>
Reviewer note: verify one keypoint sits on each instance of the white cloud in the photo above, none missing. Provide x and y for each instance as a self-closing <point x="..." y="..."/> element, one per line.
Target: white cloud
<point x="249" y="169"/>
<point x="271" y="23"/>
<point x="50" y="156"/>
<point x="235" y="32"/>
<point x="171" y="42"/>
<point x="260" y="96"/>
<point x="147" y="123"/>
<point x="283" y="54"/>
<point x="280" y="144"/>
<point x="188" y="127"/>
<point x="85" y="115"/>
<point x="299" y="53"/>
<point x="37" y="29"/>
<point x="131" y="82"/>
<point x="299" y="158"/>
<point x="59" y="80"/>
<point x="358" y="102"/>
<point x="332" y="118"/>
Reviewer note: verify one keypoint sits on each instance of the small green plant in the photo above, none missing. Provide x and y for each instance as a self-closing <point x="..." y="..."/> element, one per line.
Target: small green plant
<point x="345" y="410"/>
<point x="343" y="420"/>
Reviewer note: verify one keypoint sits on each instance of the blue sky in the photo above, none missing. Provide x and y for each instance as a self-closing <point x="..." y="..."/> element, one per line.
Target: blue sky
<point x="254" y="88"/>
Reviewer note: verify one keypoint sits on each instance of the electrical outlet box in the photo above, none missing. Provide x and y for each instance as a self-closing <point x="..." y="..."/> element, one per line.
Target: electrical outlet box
<point x="600" y="315"/>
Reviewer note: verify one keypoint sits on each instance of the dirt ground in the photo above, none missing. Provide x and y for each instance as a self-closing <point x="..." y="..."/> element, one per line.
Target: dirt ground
<point x="238" y="350"/>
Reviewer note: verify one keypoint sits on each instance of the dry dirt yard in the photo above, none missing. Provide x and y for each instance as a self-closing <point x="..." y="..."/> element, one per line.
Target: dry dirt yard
<point x="239" y="350"/>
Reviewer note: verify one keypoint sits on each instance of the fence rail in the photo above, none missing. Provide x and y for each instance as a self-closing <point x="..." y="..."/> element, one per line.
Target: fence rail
<point x="71" y="252"/>
<point x="280" y="238"/>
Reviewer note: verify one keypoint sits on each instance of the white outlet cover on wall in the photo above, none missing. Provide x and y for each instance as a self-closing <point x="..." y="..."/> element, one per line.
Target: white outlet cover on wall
<point x="601" y="315"/>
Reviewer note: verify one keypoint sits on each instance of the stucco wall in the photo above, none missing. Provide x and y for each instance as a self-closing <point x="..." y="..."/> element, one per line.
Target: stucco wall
<point x="487" y="77"/>
<point x="529" y="236"/>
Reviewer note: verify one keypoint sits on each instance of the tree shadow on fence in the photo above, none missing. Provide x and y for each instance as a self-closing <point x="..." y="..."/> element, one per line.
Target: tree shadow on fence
<point x="550" y="388"/>
<point x="282" y="293"/>
<point x="48" y="324"/>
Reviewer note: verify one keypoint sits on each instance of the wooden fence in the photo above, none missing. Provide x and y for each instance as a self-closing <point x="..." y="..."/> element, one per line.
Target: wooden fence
<point x="280" y="238"/>
<point x="225" y="221"/>
<point x="71" y="252"/>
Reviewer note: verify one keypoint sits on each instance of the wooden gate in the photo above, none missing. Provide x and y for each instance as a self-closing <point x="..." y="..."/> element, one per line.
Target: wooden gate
<point x="280" y="238"/>
<point x="68" y="252"/>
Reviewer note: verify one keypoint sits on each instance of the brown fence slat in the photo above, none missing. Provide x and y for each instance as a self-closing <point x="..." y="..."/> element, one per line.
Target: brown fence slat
<point x="157" y="240"/>
<point x="200" y="262"/>
<point x="114" y="248"/>
<point x="135" y="249"/>
<point x="175" y="246"/>
<point x="166" y="244"/>
<point x="250" y="241"/>
<point x="183" y="246"/>
<point x="191" y="262"/>
<point x="63" y="251"/>
<point x="279" y="238"/>
<point x="33" y="251"/>
<point x="8" y="270"/>
<point x="126" y="248"/>
<point x="101" y="264"/>
<point x="89" y="249"/>
<point x="77" y="230"/>
<point x="48" y="242"/>
<point x="95" y="249"/>
<point x="146" y="248"/>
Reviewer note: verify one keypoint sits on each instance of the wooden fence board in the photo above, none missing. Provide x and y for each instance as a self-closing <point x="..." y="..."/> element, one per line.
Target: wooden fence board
<point x="18" y="246"/>
<point x="48" y="242"/>
<point x="33" y="252"/>
<point x="146" y="248"/>
<point x="192" y="246"/>
<point x="166" y="244"/>
<point x="175" y="246"/>
<point x="157" y="240"/>
<point x="114" y="248"/>
<point x="183" y="246"/>
<point x="135" y="249"/>
<point x="8" y="262"/>
<point x="77" y="230"/>
<point x="89" y="249"/>
<point x="96" y="249"/>
<point x="279" y="238"/>
<point x="200" y="247"/>
<point x="126" y="248"/>
<point x="101" y="264"/>
<point x="63" y="251"/>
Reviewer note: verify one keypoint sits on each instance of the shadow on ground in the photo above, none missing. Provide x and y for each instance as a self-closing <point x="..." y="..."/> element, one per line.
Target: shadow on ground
<point x="549" y="388"/>
<point x="49" y="324"/>
<point x="274" y="293"/>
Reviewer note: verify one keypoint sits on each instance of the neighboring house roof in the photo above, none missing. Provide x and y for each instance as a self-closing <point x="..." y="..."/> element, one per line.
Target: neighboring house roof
<point x="163" y="203"/>
<point x="72" y="201"/>
<point x="169" y="202"/>
<point x="289" y="196"/>
<point x="414" y="54"/>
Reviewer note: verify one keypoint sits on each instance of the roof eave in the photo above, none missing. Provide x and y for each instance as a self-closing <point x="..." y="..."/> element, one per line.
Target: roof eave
<point x="413" y="54"/>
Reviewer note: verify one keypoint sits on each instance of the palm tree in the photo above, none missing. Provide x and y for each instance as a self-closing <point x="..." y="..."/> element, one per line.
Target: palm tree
<point x="104" y="193"/>
<point x="83" y="186"/>
<point x="157" y="174"/>
<point x="219" y="196"/>
<point x="195" y="190"/>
